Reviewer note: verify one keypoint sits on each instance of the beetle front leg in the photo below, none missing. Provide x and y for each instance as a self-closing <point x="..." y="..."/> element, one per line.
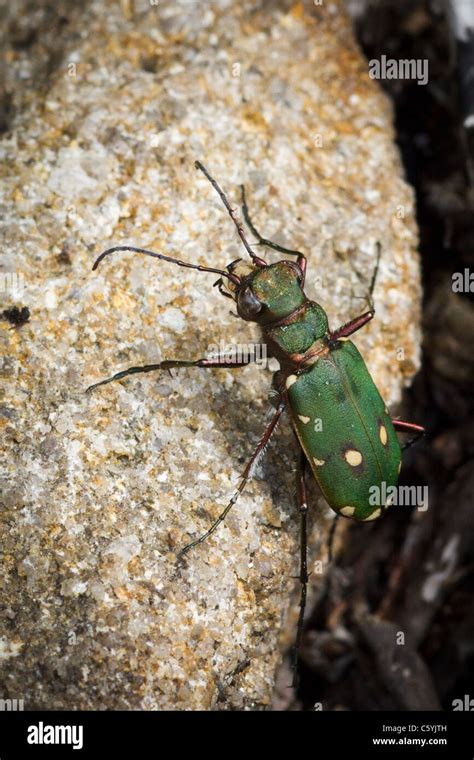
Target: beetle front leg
<point x="223" y="362"/>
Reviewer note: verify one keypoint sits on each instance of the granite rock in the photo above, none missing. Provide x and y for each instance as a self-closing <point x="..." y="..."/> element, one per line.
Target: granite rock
<point x="99" y="492"/>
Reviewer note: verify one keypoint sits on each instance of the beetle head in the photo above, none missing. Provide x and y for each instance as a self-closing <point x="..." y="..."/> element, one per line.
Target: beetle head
<point x="264" y="294"/>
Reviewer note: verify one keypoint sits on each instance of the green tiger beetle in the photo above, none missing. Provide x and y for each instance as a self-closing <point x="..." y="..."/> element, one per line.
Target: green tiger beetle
<point x="343" y="429"/>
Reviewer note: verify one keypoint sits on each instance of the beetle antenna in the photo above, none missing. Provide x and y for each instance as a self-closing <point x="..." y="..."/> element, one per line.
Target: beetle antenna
<point x="232" y="277"/>
<point x="256" y="260"/>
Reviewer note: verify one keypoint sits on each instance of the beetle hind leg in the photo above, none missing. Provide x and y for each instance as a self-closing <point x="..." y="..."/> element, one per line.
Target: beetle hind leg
<point x="409" y="427"/>
<point x="303" y="576"/>
<point x="331" y="537"/>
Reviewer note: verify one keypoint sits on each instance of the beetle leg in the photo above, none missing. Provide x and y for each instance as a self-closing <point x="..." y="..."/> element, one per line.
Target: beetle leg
<point x="374" y="277"/>
<point x="351" y="327"/>
<point x="355" y="324"/>
<point x="369" y="296"/>
<point x="246" y="475"/>
<point x="407" y="427"/>
<point x="303" y="510"/>
<point x="331" y="537"/>
<point x="224" y="362"/>
<point x="301" y="260"/>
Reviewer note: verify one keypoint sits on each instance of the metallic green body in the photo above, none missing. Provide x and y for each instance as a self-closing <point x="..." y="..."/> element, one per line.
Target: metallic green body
<point x="345" y="431"/>
<point x="337" y="412"/>
<point x="298" y="336"/>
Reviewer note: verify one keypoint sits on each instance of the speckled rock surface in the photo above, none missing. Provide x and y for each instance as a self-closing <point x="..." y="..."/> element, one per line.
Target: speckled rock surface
<point x="99" y="492"/>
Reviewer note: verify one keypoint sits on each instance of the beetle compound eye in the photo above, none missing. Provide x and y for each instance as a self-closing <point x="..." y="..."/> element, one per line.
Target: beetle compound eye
<point x="248" y="304"/>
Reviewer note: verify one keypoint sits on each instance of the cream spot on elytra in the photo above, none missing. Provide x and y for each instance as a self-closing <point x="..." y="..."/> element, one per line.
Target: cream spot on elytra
<point x="347" y="511"/>
<point x="304" y="419"/>
<point x="290" y="380"/>
<point x="383" y="434"/>
<point x="319" y="462"/>
<point x="353" y="457"/>
<point x="373" y="516"/>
